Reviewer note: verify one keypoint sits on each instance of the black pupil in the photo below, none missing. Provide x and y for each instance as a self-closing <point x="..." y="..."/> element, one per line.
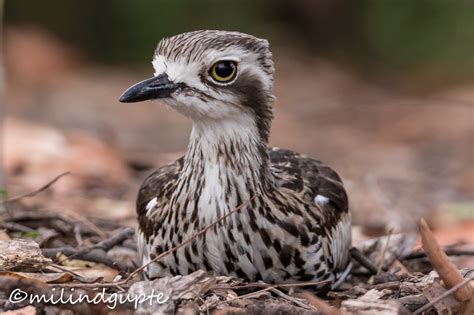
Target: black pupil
<point x="224" y="69"/>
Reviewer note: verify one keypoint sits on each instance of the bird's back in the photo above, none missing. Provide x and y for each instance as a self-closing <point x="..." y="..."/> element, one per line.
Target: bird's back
<point x="317" y="184"/>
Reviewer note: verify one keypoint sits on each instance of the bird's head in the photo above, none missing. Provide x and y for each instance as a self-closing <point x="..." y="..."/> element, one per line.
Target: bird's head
<point x="212" y="76"/>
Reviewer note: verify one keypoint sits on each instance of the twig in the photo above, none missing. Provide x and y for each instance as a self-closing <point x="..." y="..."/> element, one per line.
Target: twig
<point x="34" y="192"/>
<point x="454" y="289"/>
<point x="413" y="302"/>
<point x="363" y="261"/>
<point x="251" y="294"/>
<point x="75" y="275"/>
<point x="115" y="239"/>
<point x="94" y="255"/>
<point x="384" y="250"/>
<point x="12" y="226"/>
<point x="293" y="300"/>
<point x="104" y="246"/>
<point x="65" y="270"/>
<point x="77" y="235"/>
<point x="172" y="250"/>
<point x="189" y="240"/>
<point x="445" y="268"/>
<point x="88" y="227"/>
<point x="392" y="285"/>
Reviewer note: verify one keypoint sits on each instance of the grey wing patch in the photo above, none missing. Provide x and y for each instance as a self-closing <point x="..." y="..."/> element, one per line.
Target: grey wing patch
<point x="156" y="190"/>
<point x="315" y="182"/>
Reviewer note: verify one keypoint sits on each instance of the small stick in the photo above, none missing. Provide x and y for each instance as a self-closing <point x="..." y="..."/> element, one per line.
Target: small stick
<point x="94" y="255"/>
<point x="189" y="240"/>
<point x="77" y="235"/>
<point x="65" y="270"/>
<point x="115" y="239"/>
<point x="251" y="294"/>
<point x="34" y="192"/>
<point x="89" y="224"/>
<point x="293" y="300"/>
<point x="445" y="268"/>
<point x="172" y="250"/>
<point x="104" y="245"/>
<point x="12" y="226"/>
<point x="384" y="250"/>
<point x="364" y="261"/>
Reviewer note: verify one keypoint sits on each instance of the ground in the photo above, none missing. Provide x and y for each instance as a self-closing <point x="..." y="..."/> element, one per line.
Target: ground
<point x="403" y="151"/>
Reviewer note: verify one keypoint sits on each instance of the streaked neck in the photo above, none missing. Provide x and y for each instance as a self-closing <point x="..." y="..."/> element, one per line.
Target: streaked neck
<point x="225" y="165"/>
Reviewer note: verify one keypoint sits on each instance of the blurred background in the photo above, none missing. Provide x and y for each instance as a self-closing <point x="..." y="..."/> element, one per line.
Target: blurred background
<point x="383" y="91"/>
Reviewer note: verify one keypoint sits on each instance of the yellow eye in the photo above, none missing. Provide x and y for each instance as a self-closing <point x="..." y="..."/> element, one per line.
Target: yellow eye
<point x="223" y="71"/>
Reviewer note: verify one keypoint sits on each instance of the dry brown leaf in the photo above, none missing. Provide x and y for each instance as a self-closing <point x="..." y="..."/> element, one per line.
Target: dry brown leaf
<point x="42" y="277"/>
<point x="94" y="272"/>
<point x="59" y="277"/>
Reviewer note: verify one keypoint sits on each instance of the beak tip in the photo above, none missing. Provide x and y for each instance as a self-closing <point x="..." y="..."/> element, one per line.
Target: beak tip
<point x="123" y="99"/>
<point x="129" y="96"/>
<point x="153" y="88"/>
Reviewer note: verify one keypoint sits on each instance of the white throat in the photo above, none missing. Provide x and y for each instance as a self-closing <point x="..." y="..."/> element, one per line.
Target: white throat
<point x="211" y="134"/>
<point x="223" y="167"/>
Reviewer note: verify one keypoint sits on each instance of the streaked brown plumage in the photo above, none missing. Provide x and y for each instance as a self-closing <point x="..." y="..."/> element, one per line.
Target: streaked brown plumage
<point x="297" y="224"/>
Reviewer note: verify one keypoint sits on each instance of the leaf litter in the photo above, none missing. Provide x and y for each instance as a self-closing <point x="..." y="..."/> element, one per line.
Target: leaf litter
<point x="42" y="252"/>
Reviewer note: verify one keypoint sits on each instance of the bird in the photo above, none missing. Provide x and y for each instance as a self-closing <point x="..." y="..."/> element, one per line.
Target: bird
<point x="293" y="221"/>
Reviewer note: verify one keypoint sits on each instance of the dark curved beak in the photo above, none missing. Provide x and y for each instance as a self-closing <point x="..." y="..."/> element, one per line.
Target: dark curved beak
<point x="149" y="89"/>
